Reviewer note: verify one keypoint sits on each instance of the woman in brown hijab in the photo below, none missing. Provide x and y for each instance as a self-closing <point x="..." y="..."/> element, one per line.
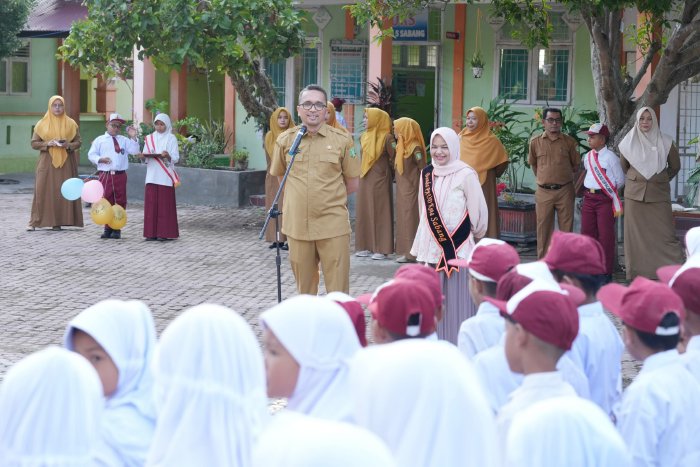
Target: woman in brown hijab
<point x="57" y="139"/>
<point x="331" y="119"/>
<point x="280" y="120"/>
<point x="409" y="161"/>
<point x="483" y="152"/>
<point x="650" y="160"/>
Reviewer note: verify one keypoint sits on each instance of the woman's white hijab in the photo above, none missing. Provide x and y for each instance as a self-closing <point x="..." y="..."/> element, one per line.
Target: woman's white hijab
<point x="452" y="140"/>
<point x="126" y="331"/>
<point x="646" y="152"/>
<point x="50" y="408"/>
<point x="568" y="431"/>
<point x="210" y="390"/>
<point x="320" y="336"/>
<point x="297" y="440"/>
<point x="424" y="399"/>
<point x="692" y="241"/>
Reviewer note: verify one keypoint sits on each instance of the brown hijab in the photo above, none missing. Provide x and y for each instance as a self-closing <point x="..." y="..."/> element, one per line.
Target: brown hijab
<point x="480" y="148"/>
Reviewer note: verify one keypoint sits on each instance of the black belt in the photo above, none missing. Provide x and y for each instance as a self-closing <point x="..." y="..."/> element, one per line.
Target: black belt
<point x="593" y="191"/>
<point x="552" y="186"/>
<point x="113" y="172"/>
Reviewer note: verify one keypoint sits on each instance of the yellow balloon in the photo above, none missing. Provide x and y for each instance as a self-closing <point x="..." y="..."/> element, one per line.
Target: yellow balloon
<point x="101" y="212"/>
<point x="118" y="217"/>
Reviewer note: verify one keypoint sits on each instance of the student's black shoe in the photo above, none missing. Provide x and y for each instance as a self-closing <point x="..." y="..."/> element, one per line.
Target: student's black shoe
<point x="117" y="234"/>
<point x="273" y="245"/>
<point x="107" y="233"/>
<point x="284" y="247"/>
<point x="151" y="239"/>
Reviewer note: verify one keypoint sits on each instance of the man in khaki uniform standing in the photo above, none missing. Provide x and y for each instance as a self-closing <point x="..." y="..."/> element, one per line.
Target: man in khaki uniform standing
<point x="554" y="159"/>
<point x="316" y="221"/>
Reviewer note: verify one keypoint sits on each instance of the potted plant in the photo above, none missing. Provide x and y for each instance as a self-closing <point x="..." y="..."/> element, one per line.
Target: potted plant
<point x="477" y="63"/>
<point x="239" y="159"/>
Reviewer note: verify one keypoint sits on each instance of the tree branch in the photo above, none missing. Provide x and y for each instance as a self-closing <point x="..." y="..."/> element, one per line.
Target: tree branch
<point x="653" y="49"/>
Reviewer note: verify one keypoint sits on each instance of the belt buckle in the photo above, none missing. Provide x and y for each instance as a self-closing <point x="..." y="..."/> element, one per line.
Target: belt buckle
<point x="112" y="172"/>
<point x="592" y="190"/>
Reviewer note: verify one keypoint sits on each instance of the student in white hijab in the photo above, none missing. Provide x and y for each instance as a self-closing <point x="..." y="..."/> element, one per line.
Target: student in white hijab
<point x="119" y="336"/>
<point x="161" y="153"/>
<point x="210" y="390"/>
<point x="565" y="431"/>
<point x="50" y="408"/>
<point x="425" y="401"/>
<point x="692" y="242"/>
<point x="308" y="343"/>
<point x="297" y="440"/>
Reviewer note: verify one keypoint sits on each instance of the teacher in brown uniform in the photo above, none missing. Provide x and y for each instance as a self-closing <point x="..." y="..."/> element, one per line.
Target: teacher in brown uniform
<point x="316" y="221"/>
<point x="554" y="159"/>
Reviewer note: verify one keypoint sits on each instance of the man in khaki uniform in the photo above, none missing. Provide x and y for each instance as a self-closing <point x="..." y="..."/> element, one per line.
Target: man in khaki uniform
<point x="554" y="159"/>
<point x="316" y="221"/>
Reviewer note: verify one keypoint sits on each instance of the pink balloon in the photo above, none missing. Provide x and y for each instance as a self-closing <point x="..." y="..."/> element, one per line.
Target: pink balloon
<point x="92" y="191"/>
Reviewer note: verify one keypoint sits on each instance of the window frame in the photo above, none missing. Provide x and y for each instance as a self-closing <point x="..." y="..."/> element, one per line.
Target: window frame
<point x="8" y="71"/>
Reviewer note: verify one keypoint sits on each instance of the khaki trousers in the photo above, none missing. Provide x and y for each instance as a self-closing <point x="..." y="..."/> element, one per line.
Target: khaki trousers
<point x="546" y="203"/>
<point x="334" y="256"/>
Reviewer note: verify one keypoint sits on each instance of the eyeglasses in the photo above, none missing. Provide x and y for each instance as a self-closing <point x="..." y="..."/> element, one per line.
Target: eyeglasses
<point x="553" y="120"/>
<point x="314" y="105"/>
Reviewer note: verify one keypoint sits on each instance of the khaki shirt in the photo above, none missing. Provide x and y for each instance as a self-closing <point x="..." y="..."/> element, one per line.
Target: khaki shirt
<point x="554" y="161"/>
<point x="315" y="196"/>
<point x="658" y="187"/>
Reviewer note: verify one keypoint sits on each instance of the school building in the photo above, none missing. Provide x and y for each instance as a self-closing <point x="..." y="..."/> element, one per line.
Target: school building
<point x="427" y="64"/>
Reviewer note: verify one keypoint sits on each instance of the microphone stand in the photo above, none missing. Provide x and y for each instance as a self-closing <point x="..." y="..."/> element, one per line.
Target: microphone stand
<point x="275" y="212"/>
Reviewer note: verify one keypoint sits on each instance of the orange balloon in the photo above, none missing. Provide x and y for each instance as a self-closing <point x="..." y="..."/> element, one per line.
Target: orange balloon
<point x="101" y="212"/>
<point x="118" y="217"/>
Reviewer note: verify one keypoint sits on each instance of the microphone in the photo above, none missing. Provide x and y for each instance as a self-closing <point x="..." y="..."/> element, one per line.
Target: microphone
<point x="295" y="145"/>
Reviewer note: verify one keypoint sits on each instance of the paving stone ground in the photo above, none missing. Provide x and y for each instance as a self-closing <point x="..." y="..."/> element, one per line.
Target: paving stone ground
<point x="48" y="277"/>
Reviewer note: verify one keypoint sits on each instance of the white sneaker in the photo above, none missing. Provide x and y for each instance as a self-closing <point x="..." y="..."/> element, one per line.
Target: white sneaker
<point x="363" y="253"/>
<point x="378" y="256"/>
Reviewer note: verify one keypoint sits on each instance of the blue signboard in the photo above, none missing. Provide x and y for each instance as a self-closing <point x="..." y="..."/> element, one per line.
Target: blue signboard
<point x="414" y="28"/>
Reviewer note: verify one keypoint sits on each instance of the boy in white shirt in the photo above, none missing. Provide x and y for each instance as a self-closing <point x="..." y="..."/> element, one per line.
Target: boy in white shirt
<point x="541" y="324"/>
<point x="601" y="203"/>
<point x="579" y="260"/>
<point x="110" y="153"/>
<point x="487" y="263"/>
<point x="658" y="415"/>
<point x="685" y="281"/>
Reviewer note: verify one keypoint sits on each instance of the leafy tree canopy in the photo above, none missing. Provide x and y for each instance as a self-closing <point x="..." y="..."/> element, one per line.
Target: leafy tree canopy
<point x="13" y="17"/>
<point x="669" y="32"/>
<point x="229" y="36"/>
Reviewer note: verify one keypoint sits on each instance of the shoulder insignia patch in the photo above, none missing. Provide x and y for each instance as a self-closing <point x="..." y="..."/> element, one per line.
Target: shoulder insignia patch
<point x="352" y="153"/>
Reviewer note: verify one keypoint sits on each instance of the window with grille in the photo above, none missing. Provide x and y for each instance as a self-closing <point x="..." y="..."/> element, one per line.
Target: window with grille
<point x="278" y="75"/>
<point x="14" y="72"/>
<point x="537" y="76"/>
<point x="348" y="70"/>
<point x="412" y="56"/>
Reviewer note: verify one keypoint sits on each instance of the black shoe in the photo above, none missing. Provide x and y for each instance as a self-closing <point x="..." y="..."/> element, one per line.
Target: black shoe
<point x="284" y="247"/>
<point x="107" y="233"/>
<point x="273" y="245"/>
<point x="117" y="234"/>
<point x="151" y="239"/>
<point x="163" y="239"/>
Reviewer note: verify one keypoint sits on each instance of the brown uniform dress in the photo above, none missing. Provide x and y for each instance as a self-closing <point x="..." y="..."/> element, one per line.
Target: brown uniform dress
<point x="374" y="228"/>
<point x="316" y="221"/>
<point x="490" y="195"/>
<point x="554" y="162"/>
<point x="49" y="207"/>
<point x="650" y="238"/>
<point x="272" y="184"/>
<point x="407" y="185"/>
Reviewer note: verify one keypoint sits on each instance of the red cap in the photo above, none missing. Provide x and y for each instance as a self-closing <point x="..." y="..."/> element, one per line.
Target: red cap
<point x="643" y="305"/>
<point x="337" y="101"/>
<point x="516" y="279"/>
<point x="425" y="275"/>
<point x="598" y="129"/>
<point x="403" y="307"/>
<point x="355" y="312"/>
<point x="575" y="253"/>
<point x="545" y="310"/>
<point x="489" y="260"/>
<point x="684" y="281"/>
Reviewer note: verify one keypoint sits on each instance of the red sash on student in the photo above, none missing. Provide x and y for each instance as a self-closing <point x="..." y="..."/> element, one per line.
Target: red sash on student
<point x="449" y="242"/>
<point x="151" y="149"/>
<point x="604" y="182"/>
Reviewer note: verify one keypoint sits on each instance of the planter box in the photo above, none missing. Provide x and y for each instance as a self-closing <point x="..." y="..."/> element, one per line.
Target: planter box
<point x="518" y="222"/>
<point x="204" y="187"/>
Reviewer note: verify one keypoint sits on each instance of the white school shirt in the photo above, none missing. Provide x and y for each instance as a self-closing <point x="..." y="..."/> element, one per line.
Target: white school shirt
<point x="424" y="400"/>
<point x="565" y="431"/>
<point x="126" y="331"/>
<point x="691" y="357"/>
<point x="481" y="331"/>
<point x="598" y="351"/>
<point x="495" y="374"/>
<point x="534" y="388"/>
<point x="167" y="141"/>
<point x="658" y="417"/>
<point x="103" y="146"/>
<point x="610" y="163"/>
